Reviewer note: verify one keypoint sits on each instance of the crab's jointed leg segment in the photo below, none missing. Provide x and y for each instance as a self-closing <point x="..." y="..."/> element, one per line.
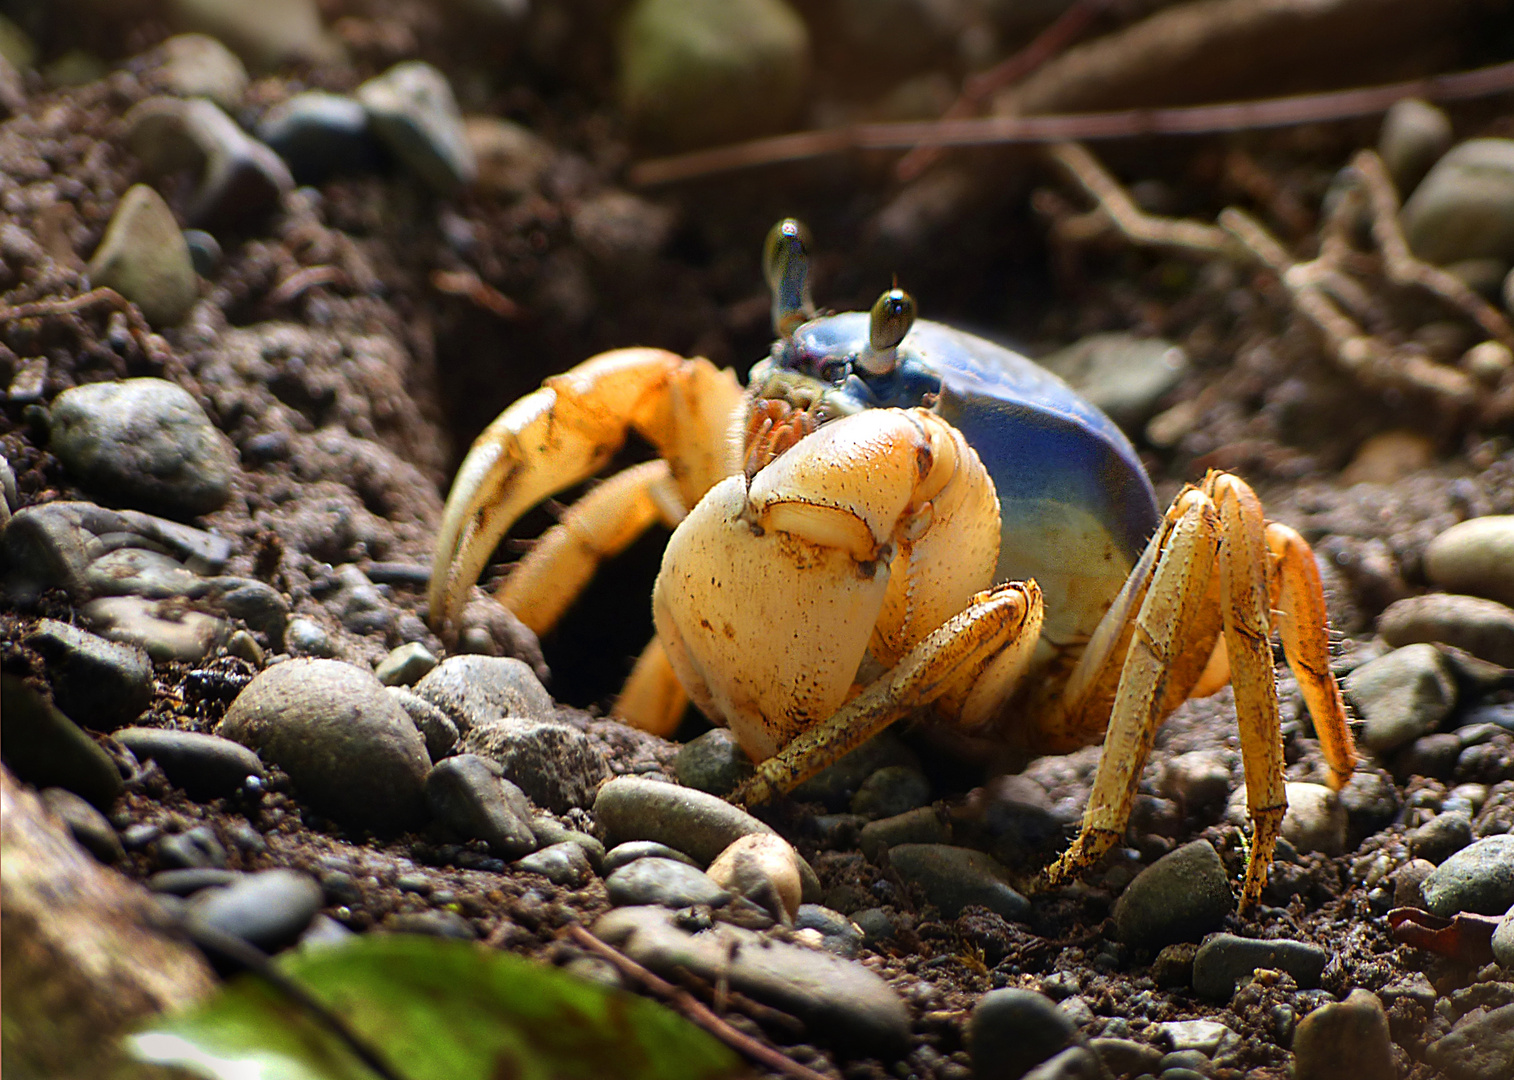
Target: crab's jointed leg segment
<point x="652" y="699"/>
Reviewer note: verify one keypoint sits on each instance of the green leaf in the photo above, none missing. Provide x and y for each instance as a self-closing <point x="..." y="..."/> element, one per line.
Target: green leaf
<point x="435" y="1010"/>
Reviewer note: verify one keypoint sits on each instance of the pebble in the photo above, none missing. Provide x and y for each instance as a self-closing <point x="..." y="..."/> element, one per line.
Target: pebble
<point x="557" y="765"/>
<point x="1478" y="878"/>
<point x="1464" y="207"/>
<point x="627" y="853"/>
<point x="1011" y="1031"/>
<point x="270" y="33"/>
<point x="1484" y="628"/>
<point x="667" y="882"/>
<point x="892" y="790"/>
<point x="1126" y="1057"/>
<point x="102" y="683"/>
<point x="713" y="762"/>
<point x="764" y="869"/>
<point x="162" y="628"/>
<point x="237" y="176"/>
<point x="1124" y="375"/>
<point x="837" y="933"/>
<point x="308" y="637"/>
<point x="1181" y="897"/>
<point x="562" y="864"/>
<point x="204" y="251"/>
<point x="411" y="109"/>
<point x="1441" y="837"/>
<point x="144" y="257"/>
<point x="835" y="785"/>
<point x="512" y="160"/>
<point x="259" y="605"/>
<point x="193" y="849"/>
<point x="87" y="825"/>
<point x="953" y="878"/>
<point x="197" y="65"/>
<point x="441" y="924"/>
<point x="1401" y="696"/>
<point x="190" y="880"/>
<point x="1172" y="967"/>
<point x="47" y="749"/>
<point x="146" y="442"/>
<point x="876" y="925"/>
<point x="1503" y="941"/>
<point x="321" y="136"/>
<point x="1196" y="780"/>
<point x="1345" y="1038"/>
<point x="1408" y="883"/>
<point x="1315" y="820"/>
<point x="1481" y="1048"/>
<point x="469" y="795"/>
<point x="1205" y="1036"/>
<point x="434" y="725"/>
<point x="474" y="690"/>
<point x="839" y="1001"/>
<point x="406" y="665"/>
<point x="694" y="822"/>
<point x="1475" y="557"/>
<point x="1224" y="959"/>
<point x="1414" y="135"/>
<point x="268" y="909"/>
<point x="1371" y="802"/>
<point x="205" y="766"/>
<point x="921" y="826"/>
<point x="1019" y="812"/>
<point x="349" y="747"/>
<point x="699" y="72"/>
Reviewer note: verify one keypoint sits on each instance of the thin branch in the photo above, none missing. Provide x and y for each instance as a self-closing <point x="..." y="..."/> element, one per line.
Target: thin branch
<point x="1001" y="130"/>
<point x="69" y="305"/>
<point x="692" y="1008"/>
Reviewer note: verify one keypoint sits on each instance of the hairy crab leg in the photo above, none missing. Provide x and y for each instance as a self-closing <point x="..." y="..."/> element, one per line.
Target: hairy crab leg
<point x="565" y="432"/>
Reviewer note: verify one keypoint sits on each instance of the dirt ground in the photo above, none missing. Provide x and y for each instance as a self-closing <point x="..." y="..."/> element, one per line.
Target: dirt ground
<point x="399" y="358"/>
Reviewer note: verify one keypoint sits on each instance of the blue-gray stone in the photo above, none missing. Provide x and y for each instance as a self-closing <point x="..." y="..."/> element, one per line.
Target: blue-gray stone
<point x="953" y="878"/>
<point x="99" y="682"/>
<point x="627" y="853"/>
<point x="269" y="909"/>
<point x="1223" y="960"/>
<point x="1181" y="897"/>
<point x="205" y="766"/>
<point x="562" y="864"/>
<point x="837" y="933"/>
<point x="1478" y="878"/>
<point x="713" y="762"/>
<point x="411" y="109"/>
<point x="90" y="828"/>
<point x="1012" y="1031"/>
<point x="666" y="882"/>
<point x="470" y="795"/>
<point x="890" y="791"/>
<point x="321" y="135"/>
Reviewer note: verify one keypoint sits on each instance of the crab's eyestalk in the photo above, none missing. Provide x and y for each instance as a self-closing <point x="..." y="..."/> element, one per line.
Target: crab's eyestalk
<point x="786" y="262"/>
<point x="893" y="315"/>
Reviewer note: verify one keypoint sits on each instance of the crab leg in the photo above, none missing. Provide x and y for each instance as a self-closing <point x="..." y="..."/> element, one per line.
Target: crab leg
<point x="565" y="432"/>
<point x="652" y="699"/>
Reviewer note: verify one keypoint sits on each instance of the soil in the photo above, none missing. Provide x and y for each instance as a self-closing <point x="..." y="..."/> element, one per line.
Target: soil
<point x="397" y="376"/>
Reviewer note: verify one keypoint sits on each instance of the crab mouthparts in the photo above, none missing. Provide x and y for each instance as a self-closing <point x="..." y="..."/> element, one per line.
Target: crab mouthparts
<point x="772" y="426"/>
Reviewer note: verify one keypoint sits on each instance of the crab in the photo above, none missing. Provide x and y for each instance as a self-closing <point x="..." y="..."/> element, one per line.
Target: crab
<point x="897" y="519"/>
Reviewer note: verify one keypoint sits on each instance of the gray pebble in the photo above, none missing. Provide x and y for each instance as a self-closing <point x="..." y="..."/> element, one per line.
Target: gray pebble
<point x="1181" y="897"/>
<point x="840" y="1001"/>
<point x="268" y="35"/>
<point x="204" y="251"/>
<point x="349" y="747"/>
<point x="512" y="160"/>
<point x="435" y="726"/>
<point x="713" y="762"/>
<point x="1124" y="375"/>
<point x="469" y="795"/>
<point x="1464" y="208"/>
<point x="1196" y="780"/>
<point x="1224" y="959"/>
<point x="442" y="923"/>
<point x="140" y="836"/>
<point x="1478" y="878"/>
<point x="1195" y="1061"/>
<point x="1012" y="1031"/>
<point x="1475" y="557"/>
<point x="257" y="604"/>
<point x="197" y="65"/>
<point x="1482" y="1048"/>
<point x="269" y="909"/>
<point x="47" y="749"/>
<point x="549" y="831"/>
<point x="205" y="766"/>
<point x="557" y="765"/>
<point x="145" y="441"/>
<point x="321" y="135"/>
<point x="188" y="881"/>
<point x="1441" y="837"/>
<point x="891" y="791"/>
<point x="162" y="628"/>
<point x="1413" y="137"/>
<point x="475" y="690"/>
<point x="627" y="853"/>
<point x="953" y="878"/>
<point x="1074" y="1063"/>
<point x="562" y="864"/>
<point x="143" y="257"/>
<point x="1409" y="881"/>
<point x="837" y="933"/>
<point x="412" y="110"/>
<point x="308" y="638"/>
<point x="1371" y="802"/>
<point x="1020" y="814"/>
<point x="87" y="825"/>
<point x="1208" y="1037"/>
<point x="876" y="925"/>
<point x="194" y="849"/>
<point x="1484" y="628"/>
<point x="102" y="683"/>
<point x="1346" y="1038"/>
<point x="1401" y="696"/>
<point x="406" y="665"/>
<point x="1503" y="941"/>
<point x="835" y="785"/>
<point x="1429" y="755"/>
<point x="924" y="825"/>
<point x="1126" y="1057"/>
<point x="595" y="970"/>
<point x="667" y="882"/>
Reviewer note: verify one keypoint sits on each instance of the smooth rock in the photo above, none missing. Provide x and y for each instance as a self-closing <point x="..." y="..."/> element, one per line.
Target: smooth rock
<point x="1012" y="1031"/>
<point x="1475" y="557"/>
<point x="259" y="605"/>
<point x="925" y="825"/>
<point x="1315" y="820"/>
<point x="269" y="909"/>
<point x="1478" y="878"/>
<point x="412" y="110"/>
<point x="204" y="251"/>
<point x="1414" y="135"/>
<point x="1204" y="1036"/>
<point x="663" y="881"/>
<point x="269" y="34"/>
<point x="1479" y="1049"/>
<point x="628" y="852"/>
<point x="435" y="726"/>
<point x="143" y="257"/>
<point x="549" y="831"/>
<point x="306" y="637"/>
<point x="837" y="933"/>
<point x="1346" y="1038"/>
<point x="193" y="849"/>
<point x="1126" y="1057"/>
<point x="512" y="160"/>
<point x="1408" y="883"/>
<point x="1019" y="813"/>
<point x="1124" y="375"/>
<point x="85" y="824"/>
<point x="1503" y="941"/>
<point x="835" y="784"/>
<point x="321" y="136"/>
<point x="146" y="442"/>
<point x="406" y="665"/>
<point x="764" y="869"/>
<point x="1196" y="780"/>
<point x="1181" y="897"/>
<point x="953" y="878"/>
<point x="1371" y="803"/>
<point x="205" y="766"/>
<point x="47" y="749"/>
<point x="1076" y="1063"/>
<point x="1401" y="696"/>
<point x="197" y="65"/>
<point x="161" y="628"/>
<point x="697" y="72"/>
<point x="557" y="765"/>
<point x="1224" y="959"/>
<point x="474" y="689"/>
<point x="102" y="683"/>
<point x="1464" y="208"/>
<point x="349" y="747"/>
<point x="442" y="923"/>
<point x="562" y="864"/>
<point x="1484" y="628"/>
<point x="469" y="794"/>
<point x="840" y="1001"/>
<point x="713" y="762"/>
<point x="190" y="880"/>
<point x="892" y="790"/>
<point x="1441" y="837"/>
<point x="1172" y="967"/>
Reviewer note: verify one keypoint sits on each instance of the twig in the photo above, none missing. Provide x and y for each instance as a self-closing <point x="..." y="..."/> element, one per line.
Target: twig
<point x="467" y="284"/>
<point x="69" y="305"/>
<point x="692" y="1008"/>
<point x="304" y="279"/>
<point x="977" y="89"/>
<point x="999" y="130"/>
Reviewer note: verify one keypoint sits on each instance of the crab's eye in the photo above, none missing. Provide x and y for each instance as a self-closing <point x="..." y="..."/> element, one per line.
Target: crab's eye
<point x="892" y="316"/>
<point x="786" y="264"/>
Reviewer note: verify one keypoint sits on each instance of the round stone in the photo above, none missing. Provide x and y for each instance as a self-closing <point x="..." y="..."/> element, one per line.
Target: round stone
<point x="953" y="878"/>
<point x="1503" y="941"/>
<point x="321" y="135"/>
<point x="1478" y="878"/>
<point x="1346" y="1038"/>
<point x="88" y="826"/>
<point x="663" y="881"/>
<point x="470" y="795"/>
<point x="627" y="853"/>
<point x="1441" y="837"/>
<point x="205" y="766"/>
<point x="197" y="65"/>
<point x="1464" y="208"/>
<point x="764" y="869"/>
<point x="1124" y="375"/>
<point x="890" y="791"/>
<point x="1413" y="137"/>
<point x="474" y="690"/>
<point x="562" y="864"/>
<point x="103" y="683"/>
<point x="269" y="910"/>
<point x="144" y="257"/>
<point x="405" y="665"/>
<point x="412" y="110"/>
<point x="1484" y="628"/>
<point x="1475" y="557"/>
<point x="1012" y="1031"/>
<point x="557" y="765"/>
<point x="1224" y="959"/>
<point x="1181" y="897"/>
<point x="713" y="762"/>
<point x="1401" y="696"/>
